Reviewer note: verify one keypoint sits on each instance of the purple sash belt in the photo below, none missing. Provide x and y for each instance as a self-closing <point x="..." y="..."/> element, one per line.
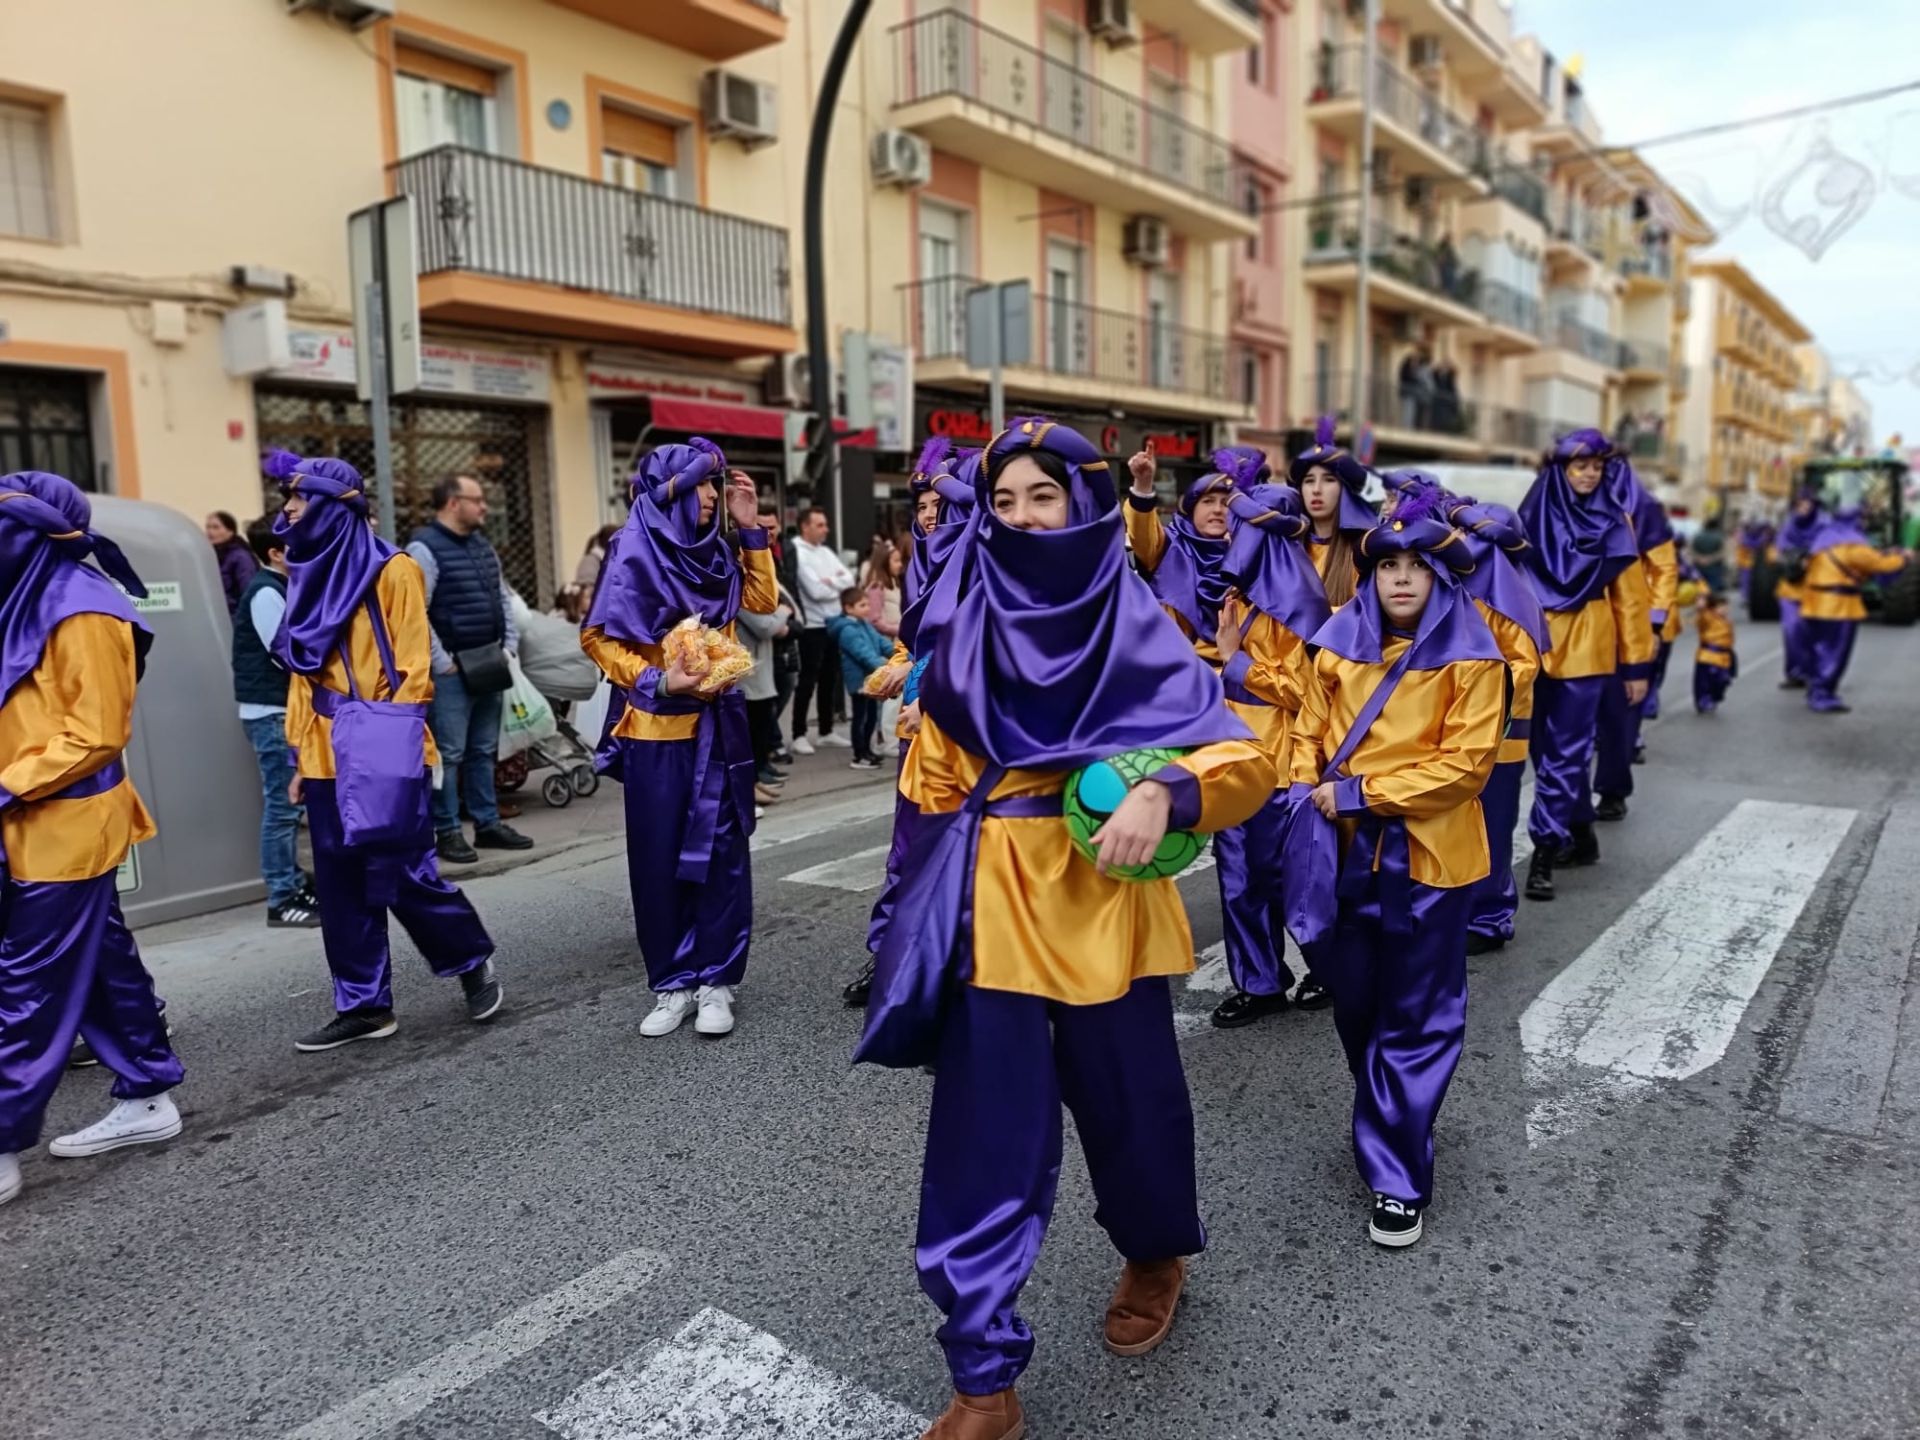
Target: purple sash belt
<point x="1838" y="589"/>
<point x="98" y="783"/>
<point x="1520" y="727"/>
<point x="723" y="773"/>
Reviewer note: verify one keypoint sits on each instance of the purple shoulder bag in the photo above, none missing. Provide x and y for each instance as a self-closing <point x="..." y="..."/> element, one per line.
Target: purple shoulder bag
<point x="379" y="746"/>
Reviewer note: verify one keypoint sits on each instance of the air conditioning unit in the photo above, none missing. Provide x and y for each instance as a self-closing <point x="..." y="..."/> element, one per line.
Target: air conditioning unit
<point x="357" y="13"/>
<point x="789" y="381"/>
<point x="1148" y="241"/>
<point x="1418" y="191"/>
<point x="1426" y="54"/>
<point x="1113" y="21"/>
<point x="739" y="107"/>
<point x="901" y="158"/>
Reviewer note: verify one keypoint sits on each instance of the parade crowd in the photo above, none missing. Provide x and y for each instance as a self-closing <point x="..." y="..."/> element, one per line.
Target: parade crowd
<point x="1343" y="699"/>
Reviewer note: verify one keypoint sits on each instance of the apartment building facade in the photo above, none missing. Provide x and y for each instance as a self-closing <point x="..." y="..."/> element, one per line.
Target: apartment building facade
<point x="1830" y="413"/>
<point x="1739" y="421"/>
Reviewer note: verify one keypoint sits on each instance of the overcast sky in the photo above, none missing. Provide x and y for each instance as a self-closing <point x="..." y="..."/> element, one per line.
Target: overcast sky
<point x="1847" y="183"/>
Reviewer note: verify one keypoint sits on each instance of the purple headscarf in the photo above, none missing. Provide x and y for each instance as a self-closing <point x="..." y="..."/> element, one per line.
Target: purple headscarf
<point x="1840" y="528"/>
<point x="1494" y="543"/>
<point x="1650" y="524"/>
<point x="1797" y="531"/>
<point x="1053" y="654"/>
<point x="936" y="469"/>
<point x="1267" y="561"/>
<point x="1581" y="544"/>
<point x="953" y="534"/>
<point x="46" y="536"/>
<point x="1188" y="579"/>
<point x="663" y="564"/>
<point x="1450" y="629"/>
<point x="333" y="557"/>
<point x="1355" y="514"/>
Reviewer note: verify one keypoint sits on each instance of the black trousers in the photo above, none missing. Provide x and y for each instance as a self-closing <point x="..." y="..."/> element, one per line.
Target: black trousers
<point x="819" y="672"/>
<point x="763" y="724"/>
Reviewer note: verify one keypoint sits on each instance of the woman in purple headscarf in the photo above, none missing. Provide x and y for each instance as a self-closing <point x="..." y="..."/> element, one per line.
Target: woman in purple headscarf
<point x="686" y="756"/>
<point x="943" y="497"/>
<point x="1395" y="741"/>
<point x="1840" y="560"/>
<point x="356" y="641"/>
<point x="1789" y="554"/>
<point x="1584" y="561"/>
<point x="71" y="648"/>
<point x="1331" y="483"/>
<point x="1050" y="976"/>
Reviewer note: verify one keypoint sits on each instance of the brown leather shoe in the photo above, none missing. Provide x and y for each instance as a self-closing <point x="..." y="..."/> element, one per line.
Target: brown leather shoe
<point x="1143" y="1304"/>
<point x="980" y="1417"/>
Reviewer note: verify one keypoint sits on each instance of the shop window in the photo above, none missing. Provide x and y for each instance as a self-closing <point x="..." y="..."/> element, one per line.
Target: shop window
<point x="439" y="100"/>
<point x="29" y="207"/>
<point x="638" y="152"/>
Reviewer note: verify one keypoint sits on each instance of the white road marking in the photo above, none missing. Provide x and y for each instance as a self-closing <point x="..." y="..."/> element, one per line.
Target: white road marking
<point x="482" y="1353"/>
<point x="1210" y="971"/>
<point x="786" y="827"/>
<point x="1190" y="1022"/>
<point x="1659" y="994"/>
<point x="720" y="1379"/>
<point x="859" y="872"/>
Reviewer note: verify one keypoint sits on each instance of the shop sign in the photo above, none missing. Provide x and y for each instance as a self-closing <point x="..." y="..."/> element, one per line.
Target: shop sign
<point x="327" y="357"/>
<point x="621" y="382"/>
<point x="971" y="427"/>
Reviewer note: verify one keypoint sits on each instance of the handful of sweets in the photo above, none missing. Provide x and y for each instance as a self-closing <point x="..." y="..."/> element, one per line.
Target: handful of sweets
<point x="717" y="659"/>
<point x="875" y="684"/>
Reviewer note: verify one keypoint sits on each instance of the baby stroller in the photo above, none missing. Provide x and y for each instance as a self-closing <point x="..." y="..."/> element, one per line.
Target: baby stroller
<point x="559" y="672"/>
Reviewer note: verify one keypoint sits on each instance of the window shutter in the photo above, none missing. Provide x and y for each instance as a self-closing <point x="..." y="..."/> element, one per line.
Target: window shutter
<point x="640" y="136"/>
<point x="431" y="65"/>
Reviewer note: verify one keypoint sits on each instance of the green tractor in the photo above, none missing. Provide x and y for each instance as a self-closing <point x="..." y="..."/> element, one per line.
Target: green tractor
<point x="1880" y="489"/>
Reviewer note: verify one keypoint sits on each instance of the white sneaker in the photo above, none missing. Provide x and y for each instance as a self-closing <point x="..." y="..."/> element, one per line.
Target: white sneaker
<point x="9" y="1177"/>
<point x="716" y="1010"/>
<point x="130" y="1122"/>
<point x="801" y="745"/>
<point x="668" y="1012"/>
<point x="836" y="740"/>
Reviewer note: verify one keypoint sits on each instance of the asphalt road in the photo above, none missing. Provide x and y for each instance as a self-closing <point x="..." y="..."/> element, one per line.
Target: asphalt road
<point x="1676" y="1173"/>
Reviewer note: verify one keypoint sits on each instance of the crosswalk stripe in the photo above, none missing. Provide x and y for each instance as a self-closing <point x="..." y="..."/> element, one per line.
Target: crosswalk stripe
<point x="1659" y="994"/>
<point x="1210" y="971"/>
<point x="720" y="1379"/>
<point x="859" y="872"/>
<point x="380" y="1409"/>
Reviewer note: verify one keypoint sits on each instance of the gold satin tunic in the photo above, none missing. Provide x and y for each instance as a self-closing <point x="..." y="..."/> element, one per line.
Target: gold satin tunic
<point x="1523" y="665"/>
<point x="1716" y="628"/>
<point x="1614" y="628"/>
<point x="1426" y="758"/>
<point x="1842" y="565"/>
<point x="627" y="665"/>
<point x="1147" y="535"/>
<point x="70" y="717"/>
<point x="401" y="594"/>
<point x="1045" y="921"/>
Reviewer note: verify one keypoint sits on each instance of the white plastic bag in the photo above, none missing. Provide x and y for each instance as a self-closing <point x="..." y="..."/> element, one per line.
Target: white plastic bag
<point x="590" y="715"/>
<point x="525" y="716"/>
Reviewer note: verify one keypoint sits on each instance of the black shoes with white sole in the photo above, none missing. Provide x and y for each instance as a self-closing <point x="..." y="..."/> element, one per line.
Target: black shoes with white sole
<point x="1395" y="1223"/>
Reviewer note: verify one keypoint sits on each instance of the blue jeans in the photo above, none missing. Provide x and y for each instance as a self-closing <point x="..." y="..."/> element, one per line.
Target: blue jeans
<point x="279" y="816"/>
<point x="466" y="728"/>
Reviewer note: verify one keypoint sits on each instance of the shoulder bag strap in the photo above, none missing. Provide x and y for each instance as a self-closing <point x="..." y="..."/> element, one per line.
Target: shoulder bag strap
<point x="381" y="639"/>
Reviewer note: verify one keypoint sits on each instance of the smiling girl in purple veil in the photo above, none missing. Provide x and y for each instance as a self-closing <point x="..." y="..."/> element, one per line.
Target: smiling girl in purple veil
<point x="1026" y="973"/>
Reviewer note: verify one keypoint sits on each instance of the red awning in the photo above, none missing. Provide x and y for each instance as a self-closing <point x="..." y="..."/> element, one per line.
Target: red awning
<point x="747" y="422"/>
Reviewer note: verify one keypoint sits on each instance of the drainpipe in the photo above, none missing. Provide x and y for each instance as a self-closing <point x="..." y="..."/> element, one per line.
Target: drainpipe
<point x="1362" y="356"/>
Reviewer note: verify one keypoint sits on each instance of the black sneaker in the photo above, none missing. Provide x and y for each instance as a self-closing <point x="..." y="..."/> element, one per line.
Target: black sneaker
<point x="1312" y="995"/>
<point x="81" y="1057"/>
<point x="783" y="757"/>
<point x="1395" y="1223"/>
<point x="1585" y="849"/>
<point x="770" y="777"/>
<point x="1540" y="875"/>
<point x="452" y="846"/>
<point x="483" y="993"/>
<point x="1478" y="944"/>
<point x="1793" y="682"/>
<point x="860" y="988"/>
<point x="347" y="1028"/>
<point x="1242" y="1008"/>
<point x="501" y="837"/>
<point x="1611" y="807"/>
<point x="297" y="914"/>
<point x="1640" y="755"/>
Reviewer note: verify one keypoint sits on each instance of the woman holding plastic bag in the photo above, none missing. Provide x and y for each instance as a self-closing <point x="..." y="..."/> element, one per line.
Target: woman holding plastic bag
<point x="662" y="630"/>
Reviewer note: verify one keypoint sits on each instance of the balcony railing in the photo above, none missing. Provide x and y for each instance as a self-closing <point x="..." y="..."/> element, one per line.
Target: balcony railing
<point x="1504" y="305"/>
<point x="949" y="53"/>
<point x="1654" y="261"/>
<point x="1577" y="225"/>
<point x="1333" y="237"/>
<point x="1521" y="188"/>
<point x="1078" y="341"/>
<point x="1509" y="429"/>
<point x="494" y="216"/>
<point x="1572" y="333"/>
<point x="1422" y="409"/>
<point x="1642" y="355"/>
<point x="1399" y="98"/>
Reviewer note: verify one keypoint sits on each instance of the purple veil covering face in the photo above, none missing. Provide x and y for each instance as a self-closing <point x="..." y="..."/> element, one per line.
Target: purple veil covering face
<point x="46" y="536"/>
<point x="1053" y="654"/>
<point x="1189" y="579"/>
<point x="1450" y="629"/>
<point x="1355" y="513"/>
<point x="333" y="557"/>
<point x="663" y="564"/>
<point x="1580" y="544"/>
<point x="1495" y="541"/>
<point x="1267" y="560"/>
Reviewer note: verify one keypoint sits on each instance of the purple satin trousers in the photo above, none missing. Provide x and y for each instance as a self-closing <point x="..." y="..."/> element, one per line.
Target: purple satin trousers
<point x="68" y="966"/>
<point x="1826" y="648"/>
<point x="1616" y="729"/>
<point x="358" y="888"/>
<point x="1006" y="1064"/>
<point x="690" y="934"/>
<point x="1793" y="641"/>
<point x="1565" y="713"/>
<point x="1710" y="683"/>
<point x="1495" y="898"/>
<point x="1400" y="1005"/>
<point x="1247" y="858"/>
<point x="905" y="813"/>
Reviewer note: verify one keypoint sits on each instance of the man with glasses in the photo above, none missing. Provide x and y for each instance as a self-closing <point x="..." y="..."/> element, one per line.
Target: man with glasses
<point x="473" y="634"/>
